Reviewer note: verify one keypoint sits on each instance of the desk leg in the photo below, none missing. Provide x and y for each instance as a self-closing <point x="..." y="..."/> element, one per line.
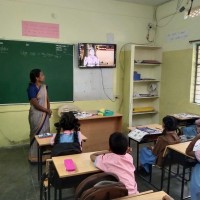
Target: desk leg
<point x="39" y="163"/>
<point x="183" y="181"/>
<point x="138" y="145"/>
<point x="60" y="194"/>
<point x="38" y="158"/>
<point x="169" y="173"/>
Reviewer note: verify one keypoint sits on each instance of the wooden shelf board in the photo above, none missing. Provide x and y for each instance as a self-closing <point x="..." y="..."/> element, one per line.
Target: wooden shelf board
<point x="152" y="97"/>
<point x="143" y="81"/>
<point x="147" y="64"/>
<point x="147" y="47"/>
<point x="145" y="113"/>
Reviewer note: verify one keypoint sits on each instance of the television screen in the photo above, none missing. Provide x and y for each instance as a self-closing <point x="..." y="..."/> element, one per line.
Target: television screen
<point x="94" y="55"/>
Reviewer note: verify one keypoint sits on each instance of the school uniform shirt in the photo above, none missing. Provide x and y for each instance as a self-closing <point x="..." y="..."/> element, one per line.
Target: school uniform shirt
<point x="195" y="179"/>
<point x="162" y="142"/>
<point x="120" y="165"/>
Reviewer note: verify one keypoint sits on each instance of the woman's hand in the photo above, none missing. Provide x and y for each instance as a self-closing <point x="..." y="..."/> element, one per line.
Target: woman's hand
<point x="49" y="112"/>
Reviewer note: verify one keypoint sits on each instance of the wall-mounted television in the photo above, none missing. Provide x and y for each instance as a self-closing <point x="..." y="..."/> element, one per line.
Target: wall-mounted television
<point x="95" y="55"/>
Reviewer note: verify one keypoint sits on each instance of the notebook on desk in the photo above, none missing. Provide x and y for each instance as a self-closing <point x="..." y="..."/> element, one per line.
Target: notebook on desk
<point x="139" y="133"/>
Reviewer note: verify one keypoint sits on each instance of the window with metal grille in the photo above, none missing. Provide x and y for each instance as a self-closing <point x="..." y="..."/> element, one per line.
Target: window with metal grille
<point x="197" y="76"/>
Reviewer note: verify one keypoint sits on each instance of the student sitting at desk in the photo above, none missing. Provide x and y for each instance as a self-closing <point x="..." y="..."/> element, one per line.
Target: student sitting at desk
<point x="68" y="130"/>
<point x="194" y="150"/>
<point x="118" y="161"/>
<point x="154" y="155"/>
<point x="193" y="130"/>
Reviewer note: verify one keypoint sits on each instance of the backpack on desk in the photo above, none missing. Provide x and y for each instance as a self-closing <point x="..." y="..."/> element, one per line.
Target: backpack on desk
<point x="61" y="149"/>
<point x="101" y="186"/>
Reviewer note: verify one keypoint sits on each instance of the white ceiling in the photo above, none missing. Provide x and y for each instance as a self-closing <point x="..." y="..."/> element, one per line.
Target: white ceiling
<point x="147" y="2"/>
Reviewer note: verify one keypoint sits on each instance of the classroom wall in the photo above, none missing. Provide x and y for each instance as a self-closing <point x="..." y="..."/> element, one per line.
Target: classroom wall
<point x="80" y="21"/>
<point x="174" y="35"/>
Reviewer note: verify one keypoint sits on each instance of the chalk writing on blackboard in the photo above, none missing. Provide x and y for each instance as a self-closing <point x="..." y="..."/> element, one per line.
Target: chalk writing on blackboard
<point x="3" y="49"/>
<point x="40" y="54"/>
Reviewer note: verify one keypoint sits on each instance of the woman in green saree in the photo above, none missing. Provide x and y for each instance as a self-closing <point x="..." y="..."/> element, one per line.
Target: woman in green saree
<point x="39" y="112"/>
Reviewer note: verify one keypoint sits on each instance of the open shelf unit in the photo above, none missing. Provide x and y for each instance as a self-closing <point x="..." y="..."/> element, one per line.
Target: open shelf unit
<point x="132" y="88"/>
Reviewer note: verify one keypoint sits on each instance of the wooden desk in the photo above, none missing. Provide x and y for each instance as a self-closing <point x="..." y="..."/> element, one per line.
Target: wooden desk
<point x="98" y="130"/>
<point x="146" y="139"/>
<point x="150" y="196"/>
<point x="180" y="148"/>
<point x="185" y="119"/>
<point x="42" y="143"/>
<point x="82" y="161"/>
<point x="178" y="151"/>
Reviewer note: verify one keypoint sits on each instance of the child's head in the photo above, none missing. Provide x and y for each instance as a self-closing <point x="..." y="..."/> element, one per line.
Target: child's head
<point x="69" y="122"/>
<point x="170" y="123"/>
<point x="118" y="143"/>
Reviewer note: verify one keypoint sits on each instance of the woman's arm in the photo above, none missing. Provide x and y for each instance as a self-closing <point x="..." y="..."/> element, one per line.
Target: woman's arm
<point x="189" y="151"/>
<point x="94" y="155"/>
<point x="48" y="107"/>
<point x="35" y="103"/>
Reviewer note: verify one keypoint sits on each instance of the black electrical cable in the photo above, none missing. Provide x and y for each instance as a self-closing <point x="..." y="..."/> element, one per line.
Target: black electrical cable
<point x="190" y="7"/>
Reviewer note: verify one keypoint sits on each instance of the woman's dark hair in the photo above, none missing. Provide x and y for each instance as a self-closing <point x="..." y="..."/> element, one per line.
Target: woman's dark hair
<point x="170" y="123"/>
<point x="67" y="122"/>
<point x="118" y="143"/>
<point x="35" y="73"/>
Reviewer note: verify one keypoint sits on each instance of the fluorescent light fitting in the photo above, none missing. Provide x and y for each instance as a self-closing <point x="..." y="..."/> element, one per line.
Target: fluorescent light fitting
<point x="195" y="12"/>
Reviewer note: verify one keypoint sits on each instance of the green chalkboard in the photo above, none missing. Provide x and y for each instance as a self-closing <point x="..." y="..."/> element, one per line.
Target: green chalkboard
<point x="18" y="58"/>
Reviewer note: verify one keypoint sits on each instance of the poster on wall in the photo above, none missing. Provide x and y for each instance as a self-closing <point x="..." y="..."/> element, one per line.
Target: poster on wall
<point x="40" y="29"/>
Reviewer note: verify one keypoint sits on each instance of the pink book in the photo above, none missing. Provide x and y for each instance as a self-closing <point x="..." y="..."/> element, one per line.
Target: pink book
<point x="69" y="165"/>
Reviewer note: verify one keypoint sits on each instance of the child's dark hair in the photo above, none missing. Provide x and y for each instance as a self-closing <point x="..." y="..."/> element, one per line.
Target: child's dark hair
<point x="35" y="73"/>
<point x="118" y="143"/>
<point x="170" y="123"/>
<point x="67" y="122"/>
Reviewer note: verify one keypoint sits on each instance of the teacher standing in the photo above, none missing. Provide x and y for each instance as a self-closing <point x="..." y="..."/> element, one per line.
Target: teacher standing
<point x="39" y="112"/>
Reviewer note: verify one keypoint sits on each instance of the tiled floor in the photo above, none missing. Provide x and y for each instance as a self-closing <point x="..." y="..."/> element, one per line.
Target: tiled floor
<point x="18" y="179"/>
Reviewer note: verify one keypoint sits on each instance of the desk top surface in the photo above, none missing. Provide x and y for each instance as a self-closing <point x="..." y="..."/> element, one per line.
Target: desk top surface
<point x="185" y="116"/>
<point x="100" y="117"/>
<point x="82" y="161"/>
<point x="150" y="196"/>
<point x="153" y="126"/>
<point x="47" y="141"/>
<point x="180" y="148"/>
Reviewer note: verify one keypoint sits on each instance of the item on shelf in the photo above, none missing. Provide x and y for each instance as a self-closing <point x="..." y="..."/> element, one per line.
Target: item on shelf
<point x="137" y="95"/>
<point x="136" y="76"/>
<point x="152" y="88"/>
<point x="143" y="109"/>
<point x="151" y="62"/>
<point x="138" y="61"/>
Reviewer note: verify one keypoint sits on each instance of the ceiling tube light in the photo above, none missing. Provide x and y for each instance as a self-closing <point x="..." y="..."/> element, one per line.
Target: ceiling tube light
<point x="195" y="12"/>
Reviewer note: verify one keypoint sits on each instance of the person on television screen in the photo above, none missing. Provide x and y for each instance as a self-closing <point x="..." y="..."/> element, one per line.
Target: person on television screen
<point x="92" y="59"/>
